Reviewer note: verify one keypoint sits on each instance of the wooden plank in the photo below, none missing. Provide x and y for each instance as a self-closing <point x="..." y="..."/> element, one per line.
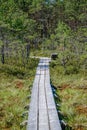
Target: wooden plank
<point x="43" y="116"/>
<point x="42" y="113"/>
<point x="53" y="116"/>
<point x="33" y="117"/>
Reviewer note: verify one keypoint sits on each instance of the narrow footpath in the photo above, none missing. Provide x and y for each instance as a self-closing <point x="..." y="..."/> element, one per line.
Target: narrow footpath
<point x="42" y="112"/>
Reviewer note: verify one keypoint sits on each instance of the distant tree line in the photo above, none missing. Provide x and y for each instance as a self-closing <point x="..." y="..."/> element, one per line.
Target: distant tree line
<point x="26" y="24"/>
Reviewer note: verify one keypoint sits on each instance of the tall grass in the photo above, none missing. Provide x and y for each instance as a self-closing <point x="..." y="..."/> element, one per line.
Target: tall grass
<point x="15" y="85"/>
<point x="72" y="90"/>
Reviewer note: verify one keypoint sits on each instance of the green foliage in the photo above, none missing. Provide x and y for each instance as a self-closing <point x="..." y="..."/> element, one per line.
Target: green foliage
<point x="1" y="43"/>
<point x="18" y="69"/>
<point x="15" y="85"/>
<point x="71" y="90"/>
<point x="41" y="27"/>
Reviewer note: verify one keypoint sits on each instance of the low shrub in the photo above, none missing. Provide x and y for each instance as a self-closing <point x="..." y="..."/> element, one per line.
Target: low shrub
<point x="71" y="69"/>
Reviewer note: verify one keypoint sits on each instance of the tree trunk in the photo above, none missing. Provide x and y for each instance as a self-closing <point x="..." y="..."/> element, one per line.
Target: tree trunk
<point x="27" y="51"/>
<point x="2" y="55"/>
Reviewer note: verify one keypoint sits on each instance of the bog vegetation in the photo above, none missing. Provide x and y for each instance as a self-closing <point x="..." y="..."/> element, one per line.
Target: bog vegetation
<point x="39" y="28"/>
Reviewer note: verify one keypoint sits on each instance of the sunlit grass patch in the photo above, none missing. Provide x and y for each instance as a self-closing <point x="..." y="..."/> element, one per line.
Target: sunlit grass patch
<point x="72" y="90"/>
<point x="13" y="99"/>
<point x="14" y="90"/>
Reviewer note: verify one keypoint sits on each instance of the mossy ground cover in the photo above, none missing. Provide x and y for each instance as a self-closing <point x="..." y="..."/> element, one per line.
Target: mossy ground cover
<point x="72" y="91"/>
<point x="14" y="89"/>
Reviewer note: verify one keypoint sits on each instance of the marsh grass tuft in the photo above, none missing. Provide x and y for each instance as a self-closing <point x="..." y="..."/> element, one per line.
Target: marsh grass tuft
<point x="15" y="86"/>
<point x="72" y="90"/>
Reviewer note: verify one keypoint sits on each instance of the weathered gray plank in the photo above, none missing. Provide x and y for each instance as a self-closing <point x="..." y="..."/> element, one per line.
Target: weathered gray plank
<point x="43" y="116"/>
<point x="33" y="117"/>
<point x="42" y="113"/>
<point x="53" y="117"/>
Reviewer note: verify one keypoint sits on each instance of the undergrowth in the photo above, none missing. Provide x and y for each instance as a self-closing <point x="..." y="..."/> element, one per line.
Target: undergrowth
<point x="72" y="90"/>
<point x="15" y="85"/>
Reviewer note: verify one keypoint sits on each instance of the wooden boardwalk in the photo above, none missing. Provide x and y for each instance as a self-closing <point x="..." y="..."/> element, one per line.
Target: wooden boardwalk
<point x="42" y="113"/>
